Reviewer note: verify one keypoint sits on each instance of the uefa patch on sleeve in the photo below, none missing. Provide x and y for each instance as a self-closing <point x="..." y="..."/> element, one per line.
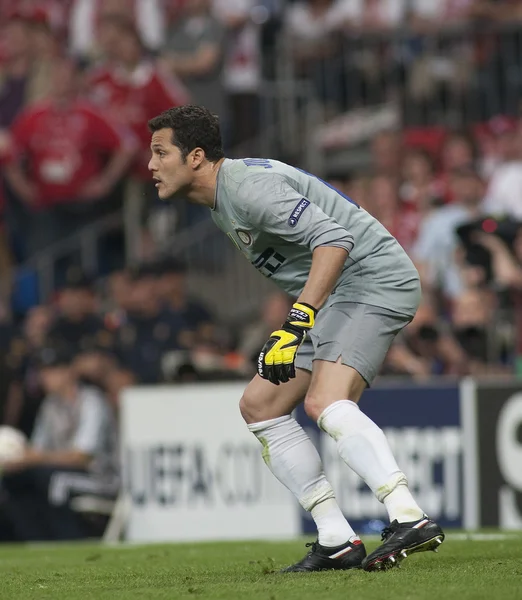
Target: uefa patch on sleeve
<point x="298" y="211"/>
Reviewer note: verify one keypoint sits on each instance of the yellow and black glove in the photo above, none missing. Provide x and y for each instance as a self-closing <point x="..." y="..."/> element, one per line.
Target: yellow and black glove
<point x="276" y="361"/>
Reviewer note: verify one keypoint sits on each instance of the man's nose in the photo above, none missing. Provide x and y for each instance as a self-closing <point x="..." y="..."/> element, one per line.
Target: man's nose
<point x="151" y="166"/>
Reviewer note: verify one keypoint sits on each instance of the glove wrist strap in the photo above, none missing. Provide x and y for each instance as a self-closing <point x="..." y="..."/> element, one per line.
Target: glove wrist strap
<point x="312" y="308"/>
<point x="301" y="316"/>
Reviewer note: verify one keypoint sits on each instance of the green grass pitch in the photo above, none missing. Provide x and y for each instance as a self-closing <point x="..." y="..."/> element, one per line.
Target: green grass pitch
<point x="463" y="569"/>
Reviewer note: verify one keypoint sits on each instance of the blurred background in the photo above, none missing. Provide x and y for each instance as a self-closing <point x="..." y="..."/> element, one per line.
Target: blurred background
<point x="410" y="107"/>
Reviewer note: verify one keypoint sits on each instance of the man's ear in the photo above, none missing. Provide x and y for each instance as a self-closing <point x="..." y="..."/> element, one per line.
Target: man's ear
<point x="197" y="156"/>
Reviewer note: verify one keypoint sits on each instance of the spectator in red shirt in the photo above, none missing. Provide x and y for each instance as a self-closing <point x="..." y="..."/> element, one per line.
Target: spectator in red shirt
<point x="401" y="218"/>
<point x="74" y="158"/>
<point x="27" y="52"/>
<point x="27" y="45"/>
<point x="130" y="88"/>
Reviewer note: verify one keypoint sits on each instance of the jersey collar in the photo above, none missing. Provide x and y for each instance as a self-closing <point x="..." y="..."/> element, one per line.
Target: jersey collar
<point x="214" y="207"/>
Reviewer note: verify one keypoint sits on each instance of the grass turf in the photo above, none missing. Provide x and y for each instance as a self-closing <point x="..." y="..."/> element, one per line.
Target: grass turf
<point x="463" y="569"/>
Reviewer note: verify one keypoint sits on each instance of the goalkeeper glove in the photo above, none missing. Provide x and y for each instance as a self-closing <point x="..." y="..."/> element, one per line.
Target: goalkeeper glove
<point x="276" y="361"/>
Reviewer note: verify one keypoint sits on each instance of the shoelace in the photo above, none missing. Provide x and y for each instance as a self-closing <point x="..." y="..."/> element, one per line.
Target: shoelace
<point x="386" y="533"/>
<point x="313" y="546"/>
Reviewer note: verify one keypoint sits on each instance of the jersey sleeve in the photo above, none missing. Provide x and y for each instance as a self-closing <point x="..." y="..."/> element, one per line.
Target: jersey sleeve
<point x="270" y="204"/>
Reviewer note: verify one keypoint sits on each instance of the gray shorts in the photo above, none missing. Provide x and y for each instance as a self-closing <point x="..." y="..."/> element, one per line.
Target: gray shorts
<point x="360" y="334"/>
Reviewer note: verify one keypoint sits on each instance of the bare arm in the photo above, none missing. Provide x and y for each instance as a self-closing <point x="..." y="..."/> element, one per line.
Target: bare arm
<point x="327" y="264"/>
<point x="404" y="361"/>
<point x="64" y="458"/>
<point x="453" y="355"/>
<point x="103" y="183"/>
<point x="506" y="270"/>
<point x="117" y="166"/>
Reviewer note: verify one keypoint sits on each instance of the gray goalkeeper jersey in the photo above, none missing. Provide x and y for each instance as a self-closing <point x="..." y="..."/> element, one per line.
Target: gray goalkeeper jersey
<point x="277" y="215"/>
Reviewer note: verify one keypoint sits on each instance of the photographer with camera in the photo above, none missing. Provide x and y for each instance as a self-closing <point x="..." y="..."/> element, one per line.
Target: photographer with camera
<point x="506" y="255"/>
<point x="490" y="257"/>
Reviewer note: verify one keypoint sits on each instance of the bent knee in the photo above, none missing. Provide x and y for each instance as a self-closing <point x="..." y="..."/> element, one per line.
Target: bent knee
<point x="245" y="407"/>
<point x="252" y="407"/>
<point x="314" y="406"/>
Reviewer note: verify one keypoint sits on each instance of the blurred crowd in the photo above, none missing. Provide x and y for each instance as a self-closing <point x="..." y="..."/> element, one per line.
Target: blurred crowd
<point x="63" y="370"/>
<point x="436" y="59"/>
<point x="80" y="78"/>
<point x="78" y="81"/>
<point x="453" y="200"/>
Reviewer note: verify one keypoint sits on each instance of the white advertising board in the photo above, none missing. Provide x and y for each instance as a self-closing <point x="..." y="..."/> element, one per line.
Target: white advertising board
<point x="192" y="470"/>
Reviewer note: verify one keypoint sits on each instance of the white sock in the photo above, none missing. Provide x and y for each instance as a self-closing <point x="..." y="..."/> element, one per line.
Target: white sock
<point x="401" y="506"/>
<point x="328" y="517"/>
<point x="290" y="455"/>
<point x="364" y="448"/>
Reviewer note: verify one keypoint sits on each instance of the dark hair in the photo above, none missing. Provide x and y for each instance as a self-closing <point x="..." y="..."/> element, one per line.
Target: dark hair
<point x="192" y="127"/>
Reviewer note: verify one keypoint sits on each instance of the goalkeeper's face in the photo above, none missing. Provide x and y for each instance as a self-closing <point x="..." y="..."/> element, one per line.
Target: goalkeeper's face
<point x="173" y="175"/>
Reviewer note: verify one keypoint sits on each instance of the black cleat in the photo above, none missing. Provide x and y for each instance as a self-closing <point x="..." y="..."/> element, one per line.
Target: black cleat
<point x="401" y="540"/>
<point x="322" y="558"/>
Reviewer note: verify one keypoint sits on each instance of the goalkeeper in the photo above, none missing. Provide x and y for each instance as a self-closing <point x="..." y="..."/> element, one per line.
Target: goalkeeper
<point x="355" y="288"/>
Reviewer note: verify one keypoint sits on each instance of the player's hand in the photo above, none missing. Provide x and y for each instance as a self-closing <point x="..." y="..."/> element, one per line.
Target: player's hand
<point x="276" y="361"/>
